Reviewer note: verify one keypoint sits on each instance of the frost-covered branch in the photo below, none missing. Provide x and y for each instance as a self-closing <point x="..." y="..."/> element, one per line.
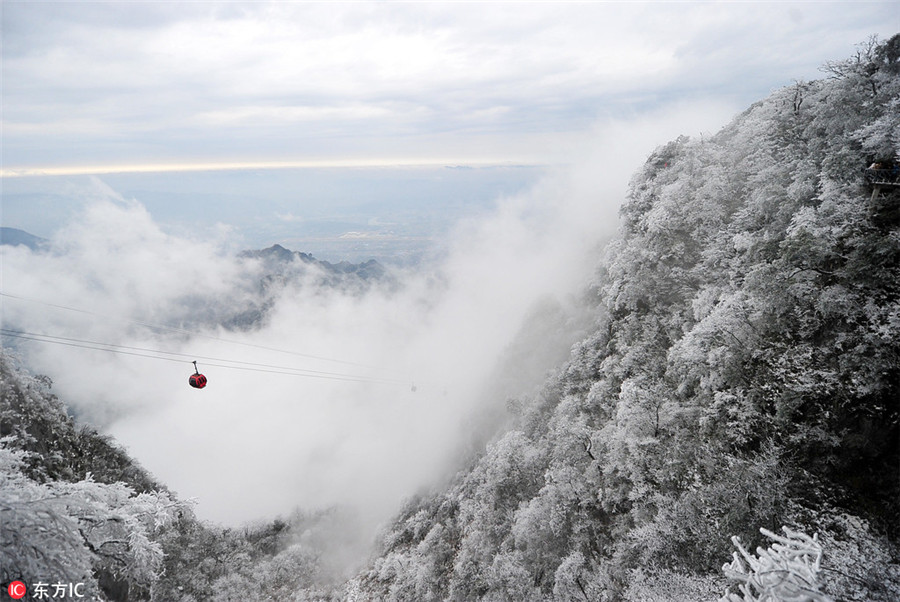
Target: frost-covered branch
<point x="787" y="571"/>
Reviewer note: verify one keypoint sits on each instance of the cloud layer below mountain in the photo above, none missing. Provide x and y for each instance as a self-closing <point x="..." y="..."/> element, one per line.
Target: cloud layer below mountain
<point x="256" y="444"/>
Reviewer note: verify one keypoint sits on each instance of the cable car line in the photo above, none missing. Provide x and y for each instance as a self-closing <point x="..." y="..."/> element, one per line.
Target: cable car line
<point x="161" y="355"/>
<point x="102" y="347"/>
<point x="188" y="332"/>
<point x="289" y="372"/>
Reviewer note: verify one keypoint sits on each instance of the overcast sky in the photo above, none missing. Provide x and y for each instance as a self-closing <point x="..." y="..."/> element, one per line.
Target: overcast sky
<point x="99" y="85"/>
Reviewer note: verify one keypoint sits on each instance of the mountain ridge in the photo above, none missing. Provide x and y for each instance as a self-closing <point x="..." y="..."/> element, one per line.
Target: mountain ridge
<point x="743" y="374"/>
<point x="278" y="256"/>
<point x="15" y="237"/>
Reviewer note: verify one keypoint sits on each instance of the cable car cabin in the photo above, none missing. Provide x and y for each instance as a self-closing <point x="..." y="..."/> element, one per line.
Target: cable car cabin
<point x="198" y="381"/>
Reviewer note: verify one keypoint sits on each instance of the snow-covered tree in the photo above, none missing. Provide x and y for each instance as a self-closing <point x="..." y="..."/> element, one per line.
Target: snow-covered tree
<point x="744" y="369"/>
<point x="786" y="571"/>
<point x="82" y="532"/>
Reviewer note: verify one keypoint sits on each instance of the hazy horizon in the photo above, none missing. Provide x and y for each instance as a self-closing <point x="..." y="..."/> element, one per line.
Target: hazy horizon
<point x="392" y="214"/>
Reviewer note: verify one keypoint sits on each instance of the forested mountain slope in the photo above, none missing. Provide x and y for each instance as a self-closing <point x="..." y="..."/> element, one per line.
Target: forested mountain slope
<point x="744" y="373"/>
<point x="76" y="508"/>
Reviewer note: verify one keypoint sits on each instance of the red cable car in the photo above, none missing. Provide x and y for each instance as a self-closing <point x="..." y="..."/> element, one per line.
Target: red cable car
<point x="197" y="380"/>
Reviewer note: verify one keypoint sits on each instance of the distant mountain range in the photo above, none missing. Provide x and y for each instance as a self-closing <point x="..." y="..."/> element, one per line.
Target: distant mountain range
<point x="277" y="257"/>
<point x="281" y="267"/>
<point x="15" y="237"/>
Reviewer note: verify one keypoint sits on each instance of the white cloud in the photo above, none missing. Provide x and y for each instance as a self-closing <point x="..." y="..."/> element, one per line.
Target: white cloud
<point x="290" y="217"/>
<point x="256" y="444"/>
<point x="291" y="81"/>
<point x="284" y="115"/>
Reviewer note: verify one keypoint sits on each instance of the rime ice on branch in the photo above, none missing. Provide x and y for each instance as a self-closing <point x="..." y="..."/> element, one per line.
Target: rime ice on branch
<point x="786" y="571"/>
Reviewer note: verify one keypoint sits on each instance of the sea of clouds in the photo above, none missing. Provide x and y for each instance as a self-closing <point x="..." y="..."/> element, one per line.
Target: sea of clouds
<point x="256" y="444"/>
